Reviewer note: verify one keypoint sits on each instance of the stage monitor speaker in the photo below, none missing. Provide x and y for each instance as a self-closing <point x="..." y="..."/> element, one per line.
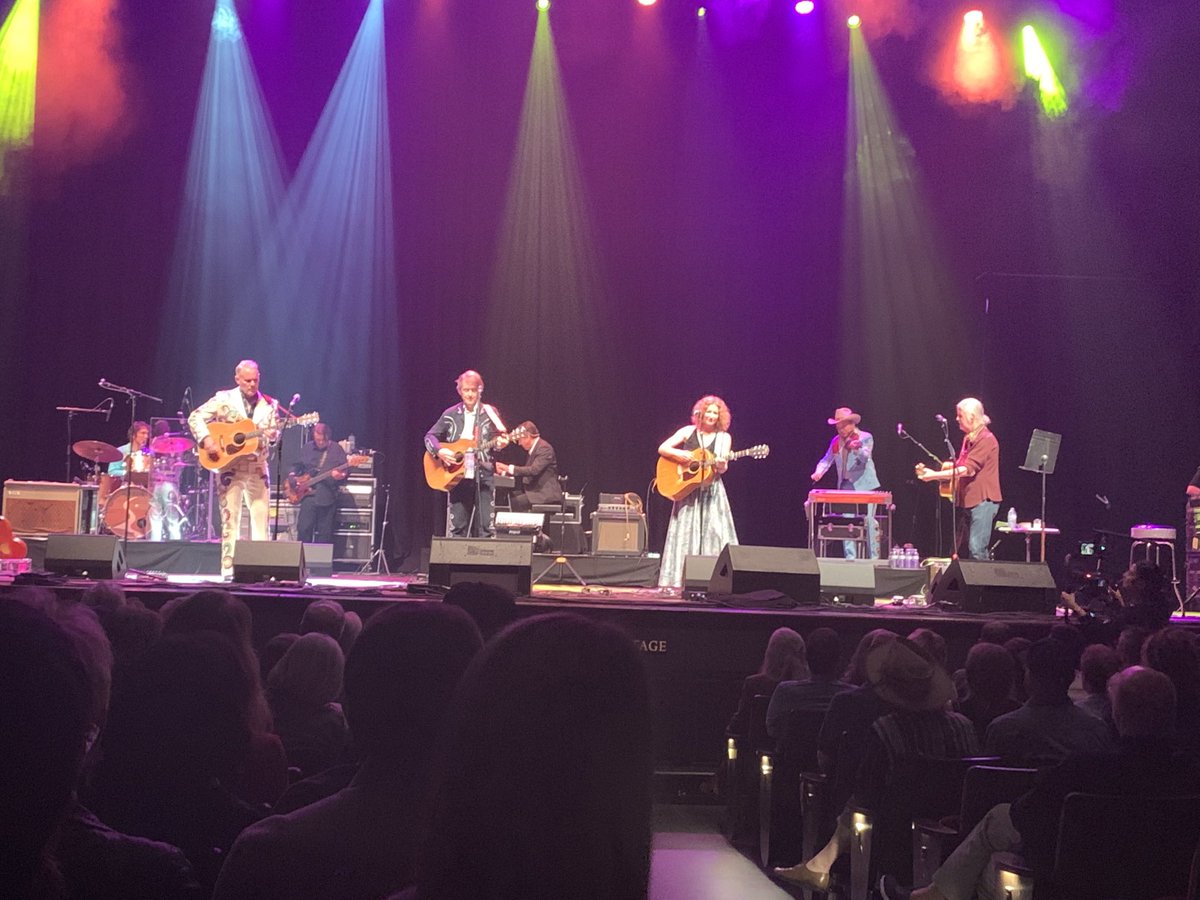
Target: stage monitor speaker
<point x="697" y="572"/>
<point x="618" y="535"/>
<point x="851" y="579"/>
<point x="318" y="560"/>
<point x="507" y="564"/>
<point x="985" y="586"/>
<point x="744" y="569"/>
<point x="255" y="561"/>
<point x="98" y="556"/>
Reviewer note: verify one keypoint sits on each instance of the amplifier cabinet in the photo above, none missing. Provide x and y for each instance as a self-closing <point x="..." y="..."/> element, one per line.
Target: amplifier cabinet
<point x="619" y="535"/>
<point x="44" y="507"/>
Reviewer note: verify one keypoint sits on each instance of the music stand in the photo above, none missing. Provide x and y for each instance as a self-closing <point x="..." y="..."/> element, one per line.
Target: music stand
<point x="1042" y="456"/>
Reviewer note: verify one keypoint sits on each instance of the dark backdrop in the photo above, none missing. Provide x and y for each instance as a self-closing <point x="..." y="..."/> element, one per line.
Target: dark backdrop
<point x="713" y="176"/>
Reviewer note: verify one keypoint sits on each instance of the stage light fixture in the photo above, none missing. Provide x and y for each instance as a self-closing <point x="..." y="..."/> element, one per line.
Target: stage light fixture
<point x="853" y="22"/>
<point x="973" y="18"/>
<point x="804" y="7"/>
<point x="646" y="2"/>
<point x="1039" y="68"/>
<point x="701" y="12"/>
<point x="543" y="5"/>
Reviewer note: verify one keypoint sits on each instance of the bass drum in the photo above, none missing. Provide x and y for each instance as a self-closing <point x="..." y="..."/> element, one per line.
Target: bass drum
<point x="128" y="513"/>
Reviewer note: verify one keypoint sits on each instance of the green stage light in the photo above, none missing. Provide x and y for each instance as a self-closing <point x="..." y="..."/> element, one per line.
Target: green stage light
<point x="18" y="73"/>
<point x="1038" y="67"/>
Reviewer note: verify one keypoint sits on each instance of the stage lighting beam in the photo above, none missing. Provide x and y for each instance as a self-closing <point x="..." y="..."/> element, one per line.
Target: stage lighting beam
<point x="18" y="74"/>
<point x="855" y="21"/>
<point x="1039" y="68"/>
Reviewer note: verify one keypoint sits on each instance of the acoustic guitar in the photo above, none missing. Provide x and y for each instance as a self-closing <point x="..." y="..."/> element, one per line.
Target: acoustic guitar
<point x="11" y="547"/>
<point x="297" y="487"/>
<point x="238" y="439"/>
<point x="444" y="476"/>
<point x="676" y="480"/>
<point x="945" y="488"/>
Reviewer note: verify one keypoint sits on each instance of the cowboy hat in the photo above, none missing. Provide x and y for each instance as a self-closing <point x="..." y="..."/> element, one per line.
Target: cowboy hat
<point x="907" y="678"/>
<point x="844" y="414"/>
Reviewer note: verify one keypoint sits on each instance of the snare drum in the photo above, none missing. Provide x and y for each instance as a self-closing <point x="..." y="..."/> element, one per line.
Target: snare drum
<point x="118" y="516"/>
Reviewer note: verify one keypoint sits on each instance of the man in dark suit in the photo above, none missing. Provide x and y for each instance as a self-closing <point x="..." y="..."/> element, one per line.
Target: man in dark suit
<point x="537" y="480"/>
<point x="319" y="506"/>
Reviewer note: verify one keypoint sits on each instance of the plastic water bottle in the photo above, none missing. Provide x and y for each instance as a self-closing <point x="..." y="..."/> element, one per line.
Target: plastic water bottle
<point x="1012" y="517"/>
<point x="912" y="560"/>
<point x="894" y="558"/>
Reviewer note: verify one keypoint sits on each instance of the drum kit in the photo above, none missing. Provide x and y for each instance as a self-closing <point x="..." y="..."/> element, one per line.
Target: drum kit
<point x="162" y="492"/>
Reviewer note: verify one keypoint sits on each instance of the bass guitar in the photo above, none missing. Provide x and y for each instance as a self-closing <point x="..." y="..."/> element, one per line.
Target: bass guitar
<point x="442" y="476"/>
<point x="238" y="439"/>
<point x="675" y="480"/>
<point x="945" y="488"/>
<point x="297" y="487"/>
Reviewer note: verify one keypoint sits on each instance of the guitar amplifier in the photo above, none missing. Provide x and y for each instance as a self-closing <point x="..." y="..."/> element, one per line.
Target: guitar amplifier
<point x="44" y="507"/>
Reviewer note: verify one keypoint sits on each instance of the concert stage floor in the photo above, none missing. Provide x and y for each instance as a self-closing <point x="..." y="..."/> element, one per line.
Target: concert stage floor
<point x="696" y="652"/>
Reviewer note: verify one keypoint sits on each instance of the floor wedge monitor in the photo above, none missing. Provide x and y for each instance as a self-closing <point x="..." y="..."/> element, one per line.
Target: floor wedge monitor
<point x="744" y="569"/>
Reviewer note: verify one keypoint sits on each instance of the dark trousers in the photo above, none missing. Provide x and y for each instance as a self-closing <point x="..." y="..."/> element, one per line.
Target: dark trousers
<point x="463" y="502"/>
<point x="315" y="525"/>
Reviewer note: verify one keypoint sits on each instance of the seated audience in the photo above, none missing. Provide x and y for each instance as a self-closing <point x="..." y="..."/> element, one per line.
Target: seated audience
<point x="1144" y="762"/>
<point x="331" y="618"/>
<point x="990" y="673"/>
<point x="1129" y="645"/>
<point x="1172" y="651"/>
<point x="544" y="783"/>
<point x="491" y="606"/>
<point x="1098" y="664"/>
<point x="273" y="650"/>
<point x="1048" y="726"/>
<point x="932" y="643"/>
<point x="303" y="690"/>
<point x="850" y="716"/>
<point x="823" y="653"/>
<point x="783" y="661"/>
<point x="361" y="841"/>
<point x="177" y="736"/>
<point x="920" y="724"/>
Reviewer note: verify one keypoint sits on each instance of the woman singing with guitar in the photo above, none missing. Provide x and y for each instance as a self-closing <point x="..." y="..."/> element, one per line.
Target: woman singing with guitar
<point x="701" y="521"/>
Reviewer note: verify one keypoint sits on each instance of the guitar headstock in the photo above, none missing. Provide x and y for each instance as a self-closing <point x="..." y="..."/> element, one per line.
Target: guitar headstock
<point x="311" y="418"/>
<point x="517" y="433"/>
<point x="758" y="451"/>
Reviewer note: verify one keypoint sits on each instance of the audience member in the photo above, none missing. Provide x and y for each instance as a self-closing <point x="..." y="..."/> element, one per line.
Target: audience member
<point x="994" y="631"/>
<point x="544" y="788"/>
<point x="1144" y="762"/>
<point x="331" y="618"/>
<point x="264" y="774"/>
<point x="492" y="607"/>
<point x="823" y="654"/>
<point x="1098" y="664"/>
<point x="1147" y="598"/>
<point x="303" y="690"/>
<point x="920" y="724"/>
<point x="177" y="736"/>
<point x="103" y="596"/>
<point x="361" y="841"/>
<point x="851" y="715"/>
<point x="1048" y="726"/>
<point x="1172" y="651"/>
<point x="1019" y="648"/>
<point x="856" y="669"/>
<point x="1129" y="645"/>
<point x="990" y="673"/>
<point x="932" y="643"/>
<point x="131" y="631"/>
<point x="784" y="660"/>
<point x="273" y="651"/>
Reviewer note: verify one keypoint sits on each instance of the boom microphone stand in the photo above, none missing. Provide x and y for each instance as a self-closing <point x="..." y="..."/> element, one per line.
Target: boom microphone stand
<point x="953" y="487"/>
<point x="933" y="456"/>
<point x="104" y="406"/>
<point x="133" y="399"/>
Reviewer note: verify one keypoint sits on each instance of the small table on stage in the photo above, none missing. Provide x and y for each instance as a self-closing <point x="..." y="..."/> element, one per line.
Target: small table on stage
<point x="1029" y="531"/>
<point x="819" y="534"/>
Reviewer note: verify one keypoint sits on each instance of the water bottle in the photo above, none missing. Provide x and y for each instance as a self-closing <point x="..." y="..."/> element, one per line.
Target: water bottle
<point x="894" y="559"/>
<point x="350" y="445"/>
<point x="912" y="559"/>
<point x="1012" y="517"/>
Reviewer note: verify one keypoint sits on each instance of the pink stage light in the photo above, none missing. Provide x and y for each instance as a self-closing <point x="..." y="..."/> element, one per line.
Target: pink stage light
<point x="646" y="2"/>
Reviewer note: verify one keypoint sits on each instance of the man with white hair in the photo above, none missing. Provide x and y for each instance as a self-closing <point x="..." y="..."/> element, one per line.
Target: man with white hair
<point x="976" y="477"/>
<point x="247" y="478"/>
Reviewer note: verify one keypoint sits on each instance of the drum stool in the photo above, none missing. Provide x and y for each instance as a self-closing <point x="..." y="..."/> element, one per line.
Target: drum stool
<point x="1152" y="541"/>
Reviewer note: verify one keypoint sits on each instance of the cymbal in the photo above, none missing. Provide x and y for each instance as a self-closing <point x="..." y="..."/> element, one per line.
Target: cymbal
<point x="96" y="451"/>
<point x="170" y="444"/>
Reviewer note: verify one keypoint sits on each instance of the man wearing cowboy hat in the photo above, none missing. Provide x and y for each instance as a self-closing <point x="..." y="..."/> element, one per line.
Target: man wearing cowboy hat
<point x="850" y="450"/>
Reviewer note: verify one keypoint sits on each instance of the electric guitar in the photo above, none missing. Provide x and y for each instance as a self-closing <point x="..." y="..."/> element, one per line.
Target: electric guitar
<point x="945" y="488"/>
<point x="443" y="476"/>
<point x="238" y="439"/>
<point x="676" y="480"/>
<point x="11" y="547"/>
<point x="297" y="487"/>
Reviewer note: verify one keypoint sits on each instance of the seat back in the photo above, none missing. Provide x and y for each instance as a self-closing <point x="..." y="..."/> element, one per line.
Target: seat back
<point x="796" y="747"/>
<point x="985" y="786"/>
<point x="1132" y="847"/>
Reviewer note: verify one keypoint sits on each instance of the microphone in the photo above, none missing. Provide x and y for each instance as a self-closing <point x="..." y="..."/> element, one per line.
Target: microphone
<point x="940" y="418"/>
<point x="295" y="398"/>
<point x="900" y="428"/>
<point x="108" y="412"/>
<point x="103" y="382"/>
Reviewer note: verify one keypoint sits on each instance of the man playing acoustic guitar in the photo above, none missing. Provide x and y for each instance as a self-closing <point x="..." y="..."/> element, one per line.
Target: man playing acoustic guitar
<point x="473" y="420"/>
<point x="246" y="478"/>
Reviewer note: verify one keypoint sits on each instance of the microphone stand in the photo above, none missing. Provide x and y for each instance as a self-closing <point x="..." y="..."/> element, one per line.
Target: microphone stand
<point x="287" y="411"/>
<point x="953" y="489"/>
<point x="937" y="514"/>
<point x="73" y="411"/>
<point x="133" y="396"/>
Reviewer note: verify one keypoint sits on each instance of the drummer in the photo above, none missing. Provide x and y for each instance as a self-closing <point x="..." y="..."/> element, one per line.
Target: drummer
<point x="139" y="441"/>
